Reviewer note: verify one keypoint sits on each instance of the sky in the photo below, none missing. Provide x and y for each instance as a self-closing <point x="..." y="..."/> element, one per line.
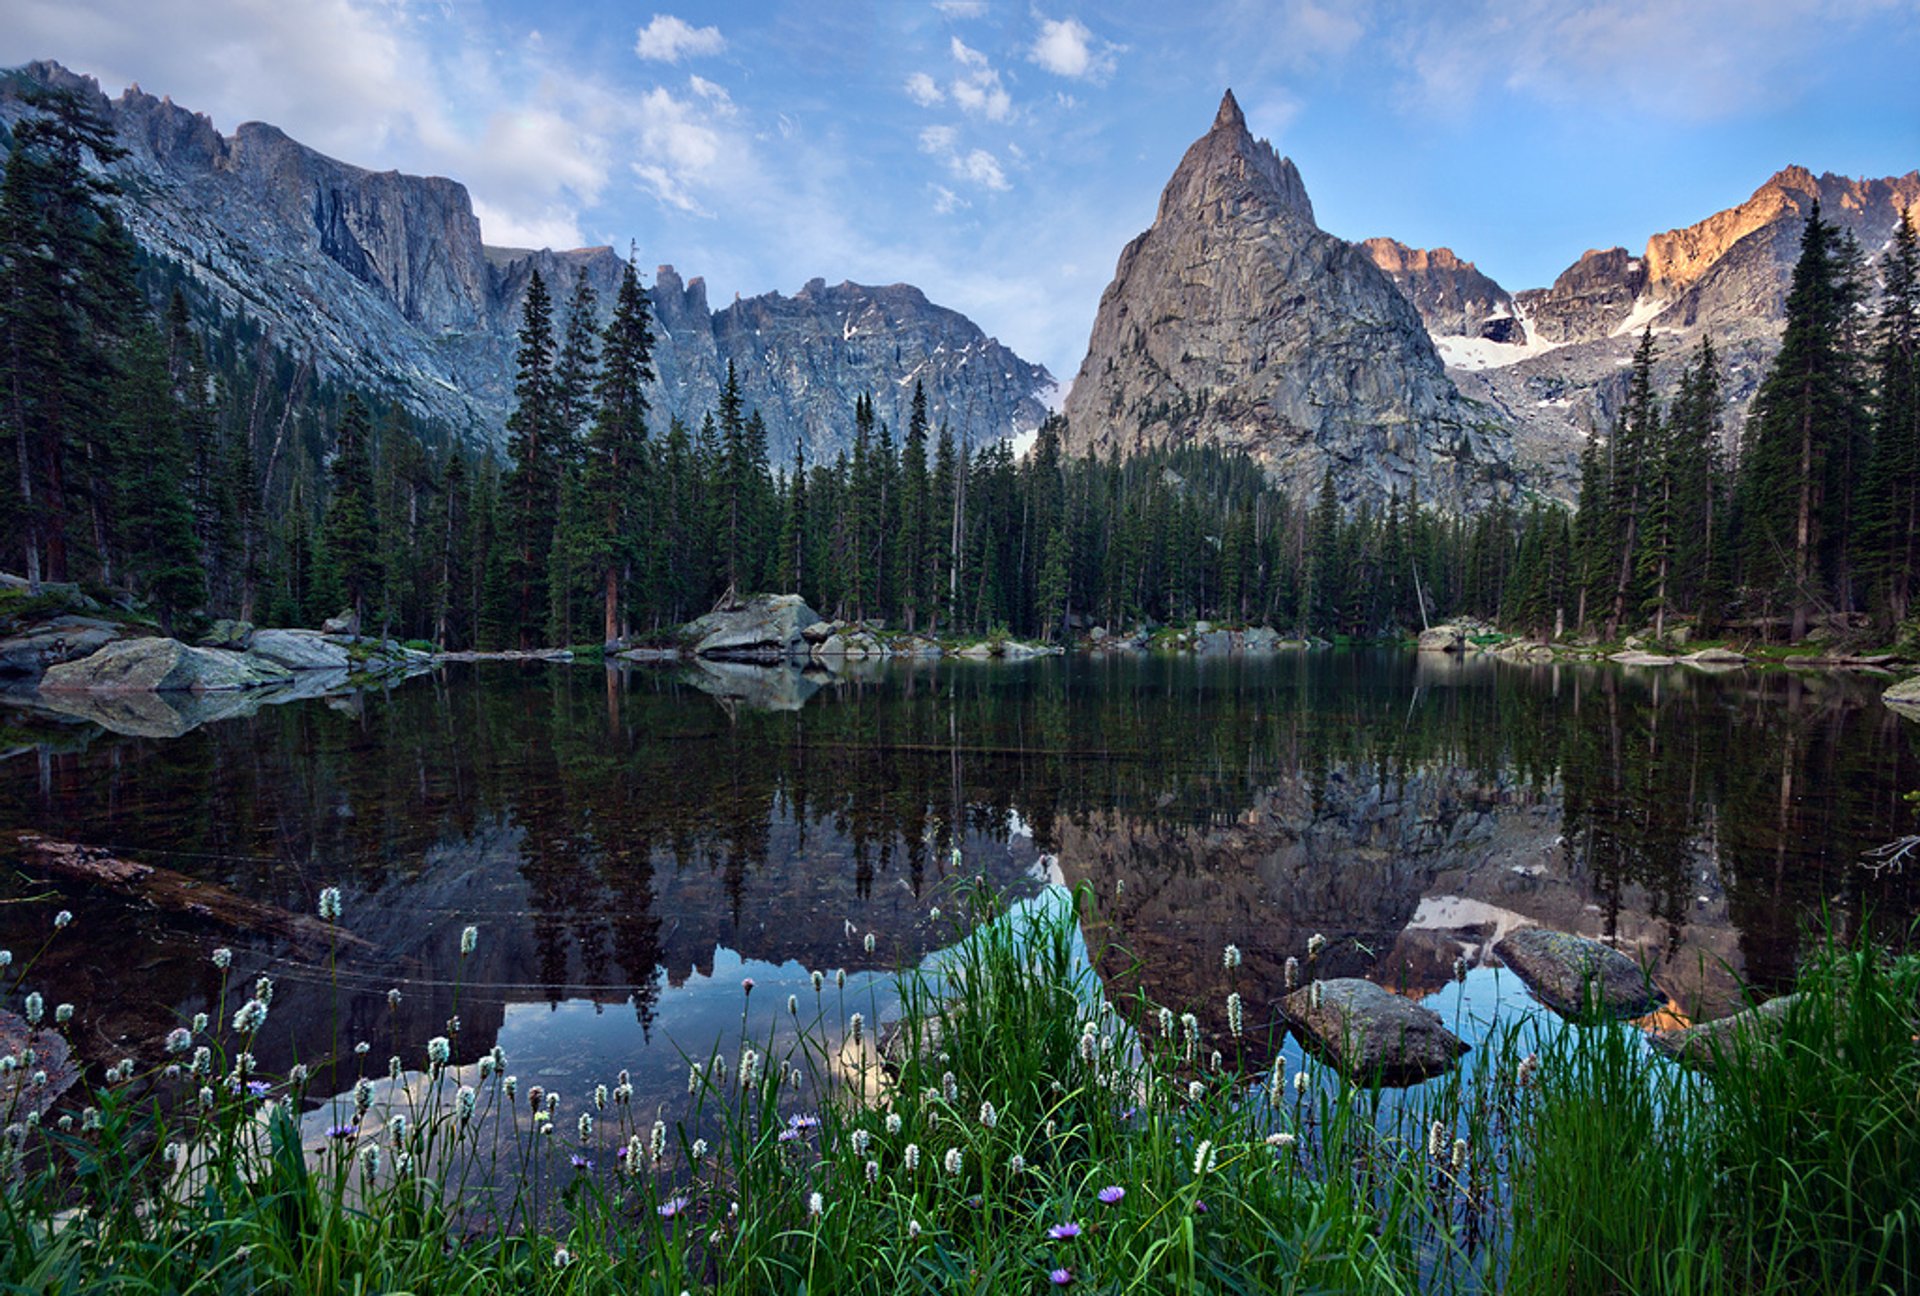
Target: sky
<point x="999" y="153"/>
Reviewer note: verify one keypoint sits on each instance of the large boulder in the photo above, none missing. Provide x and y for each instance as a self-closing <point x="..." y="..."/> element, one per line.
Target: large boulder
<point x="1371" y="1033"/>
<point x="1713" y="1041"/>
<point x="1578" y="977"/>
<point x="1443" y="638"/>
<point x="1640" y="657"/>
<point x="765" y="627"/>
<point x="1904" y="697"/>
<point x="159" y="666"/>
<point x="64" y="638"/>
<point x="1260" y="639"/>
<point x="228" y="633"/>
<point x="298" y="650"/>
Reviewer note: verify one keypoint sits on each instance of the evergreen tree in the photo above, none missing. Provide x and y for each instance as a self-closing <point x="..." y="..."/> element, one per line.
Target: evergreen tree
<point x="151" y="503"/>
<point x="1798" y="418"/>
<point x="1635" y="457"/>
<point x="616" y="449"/>
<point x="1890" y="513"/>
<point x="349" y="535"/>
<point x="536" y="432"/>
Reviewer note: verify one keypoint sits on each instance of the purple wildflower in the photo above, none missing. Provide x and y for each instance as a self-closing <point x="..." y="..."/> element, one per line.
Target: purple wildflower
<point x="1061" y="1232"/>
<point x="1060" y="1277"/>
<point x="789" y="1135"/>
<point x="671" y="1207"/>
<point x="620" y="1154"/>
<point x="258" y="1088"/>
<point x="342" y="1131"/>
<point x="580" y="1162"/>
<point x="803" y="1122"/>
<point x="1112" y="1193"/>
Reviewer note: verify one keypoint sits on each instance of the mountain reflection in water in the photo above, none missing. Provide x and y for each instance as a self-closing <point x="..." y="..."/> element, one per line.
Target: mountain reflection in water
<point x="631" y="843"/>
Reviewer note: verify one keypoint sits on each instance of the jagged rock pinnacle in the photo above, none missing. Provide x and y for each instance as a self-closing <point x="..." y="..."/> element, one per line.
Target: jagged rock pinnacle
<point x="1229" y="117"/>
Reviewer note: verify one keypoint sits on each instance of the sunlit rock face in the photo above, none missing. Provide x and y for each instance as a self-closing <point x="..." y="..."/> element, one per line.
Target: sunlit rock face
<point x="1556" y="369"/>
<point x="383" y="279"/>
<point x="1236" y="321"/>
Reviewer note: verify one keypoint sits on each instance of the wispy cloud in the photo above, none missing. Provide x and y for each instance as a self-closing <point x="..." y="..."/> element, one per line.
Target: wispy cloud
<point x="975" y="166"/>
<point x="924" y="90"/>
<point x="668" y="39"/>
<point x="977" y="89"/>
<point x="1067" y="47"/>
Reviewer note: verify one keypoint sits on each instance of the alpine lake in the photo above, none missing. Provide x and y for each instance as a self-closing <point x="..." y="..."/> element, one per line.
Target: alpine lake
<point x="633" y="843"/>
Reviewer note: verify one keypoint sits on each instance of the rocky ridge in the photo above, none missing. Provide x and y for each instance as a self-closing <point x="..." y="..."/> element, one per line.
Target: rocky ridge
<point x="1560" y="370"/>
<point x="1235" y="320"/>
<point x="385" y="281"/>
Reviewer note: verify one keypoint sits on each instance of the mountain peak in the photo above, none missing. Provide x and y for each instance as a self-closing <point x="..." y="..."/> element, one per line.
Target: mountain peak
<point x="1229" y="117"/>
<point x="1228" y="173"/>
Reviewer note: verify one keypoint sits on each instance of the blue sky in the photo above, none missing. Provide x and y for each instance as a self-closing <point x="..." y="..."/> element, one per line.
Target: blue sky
<point x="999" y="153"/>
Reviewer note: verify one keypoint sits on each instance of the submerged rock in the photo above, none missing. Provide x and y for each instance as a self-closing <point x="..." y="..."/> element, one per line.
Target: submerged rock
<point x="1702" y="1044"/>
<point x="1369" y="1032"/>
<point x="160" y="666"/>
<point x="1638" y="657"/>
<point x="767" y="626"/>
<point x="1576" y="976"/>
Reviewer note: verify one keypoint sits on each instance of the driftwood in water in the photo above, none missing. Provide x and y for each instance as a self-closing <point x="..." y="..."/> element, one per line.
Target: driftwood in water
<point x="163" y="888"/>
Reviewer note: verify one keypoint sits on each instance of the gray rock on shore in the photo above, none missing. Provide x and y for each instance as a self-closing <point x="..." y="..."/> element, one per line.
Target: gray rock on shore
<point x="64" y="638"/>
<point x="1370" y="1032"/>
<point x="298" y="650"/>
<point x="1701" y="1045"/>
<point x="162" y="665"/>
<point x="765" y="627"/>
<point x="1578" y="977"/>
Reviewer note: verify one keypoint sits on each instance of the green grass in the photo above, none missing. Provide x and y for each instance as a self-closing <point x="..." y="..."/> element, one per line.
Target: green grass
<point x="1011" y="1093"/>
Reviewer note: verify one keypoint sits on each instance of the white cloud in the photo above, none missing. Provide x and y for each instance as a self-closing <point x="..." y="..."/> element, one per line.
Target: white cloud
<point x="946" y="201"/>
<point x="938" y="140"/>
<point x="975" y="166"/>
<point x="966" y="56"/>
<point x="924" y="90"/>
<point x="549" y="229"/>
<point x="961" y="8"/>
<point x="714" y="94"/>
<point x="681" y="149"/>
<point x="668" y="39"/>
<point x="982" y="168"/>
<point x="1065" y="47"/>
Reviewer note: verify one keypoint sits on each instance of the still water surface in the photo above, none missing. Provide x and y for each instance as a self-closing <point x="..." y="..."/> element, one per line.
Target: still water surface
<point x="632" y="844"/>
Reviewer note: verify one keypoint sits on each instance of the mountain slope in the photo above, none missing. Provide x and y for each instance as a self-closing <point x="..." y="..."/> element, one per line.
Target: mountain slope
<point x="384" y="279"/>
<point x="1235" y="320"/>
<point x="1726" y="276"/>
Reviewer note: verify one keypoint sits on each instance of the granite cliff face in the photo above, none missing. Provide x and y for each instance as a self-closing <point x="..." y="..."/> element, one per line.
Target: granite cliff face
<point x="1452" y="296"/>
<point x="384" y="280"/>
<point x="1236" y="321"/>
<point x="1562" y="372"/>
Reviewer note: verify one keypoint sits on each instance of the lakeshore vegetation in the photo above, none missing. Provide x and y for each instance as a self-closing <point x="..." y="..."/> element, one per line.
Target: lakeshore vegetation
<point x="1015" y="1131"/>
<point x="157" y="445"/>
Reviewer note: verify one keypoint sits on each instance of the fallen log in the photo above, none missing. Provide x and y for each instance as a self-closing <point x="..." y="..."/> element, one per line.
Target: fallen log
<point x="163" y="888"/>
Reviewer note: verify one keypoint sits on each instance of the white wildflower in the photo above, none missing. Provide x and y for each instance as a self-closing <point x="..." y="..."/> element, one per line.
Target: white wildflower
<point x="955" y="1160"/>
<point x="911" y="1157"/>
<point x="1230" y="957"/>
<point x="1203" y="1158"/>
<point x="469" y="940"/>
<point x="330" y="904"/>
